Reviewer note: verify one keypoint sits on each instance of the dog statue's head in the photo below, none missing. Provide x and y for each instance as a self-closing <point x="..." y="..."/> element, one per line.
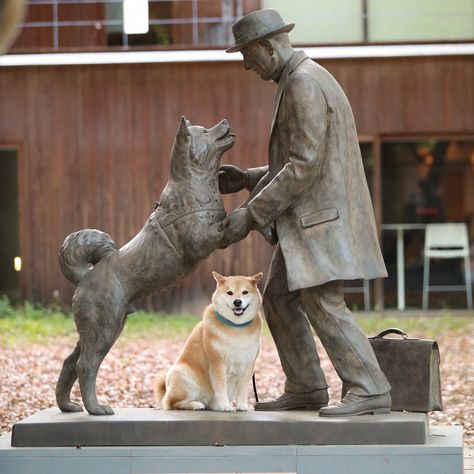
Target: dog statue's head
<point x="199" y="147"/>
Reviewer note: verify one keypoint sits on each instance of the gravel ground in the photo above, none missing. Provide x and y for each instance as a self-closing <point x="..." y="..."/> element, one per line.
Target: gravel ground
<point x="29" y="374"/>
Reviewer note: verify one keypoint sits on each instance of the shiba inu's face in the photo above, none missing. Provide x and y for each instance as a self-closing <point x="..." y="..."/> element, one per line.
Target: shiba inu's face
<point x="237" y="298"/>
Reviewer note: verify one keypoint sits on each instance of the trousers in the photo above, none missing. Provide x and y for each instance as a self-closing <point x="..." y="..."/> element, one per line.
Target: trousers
<point x="290" y="316"/>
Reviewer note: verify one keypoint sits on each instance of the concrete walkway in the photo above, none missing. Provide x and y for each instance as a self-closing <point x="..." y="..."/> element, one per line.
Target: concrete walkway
<point x="468" y="459"/>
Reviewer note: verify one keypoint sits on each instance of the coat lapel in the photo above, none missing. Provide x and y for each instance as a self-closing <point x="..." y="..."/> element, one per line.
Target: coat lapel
<point x="293" y="62"/>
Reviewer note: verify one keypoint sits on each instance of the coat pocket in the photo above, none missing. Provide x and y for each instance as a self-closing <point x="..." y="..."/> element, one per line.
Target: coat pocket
<point x="318" y="217"/>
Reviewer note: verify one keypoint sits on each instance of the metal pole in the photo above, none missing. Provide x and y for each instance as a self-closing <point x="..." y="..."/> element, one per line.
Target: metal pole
<point x="365" y="21"/>
<point x="195" y="22"/>
<point x="400" y="269"/>
<point x="55" y="24"/>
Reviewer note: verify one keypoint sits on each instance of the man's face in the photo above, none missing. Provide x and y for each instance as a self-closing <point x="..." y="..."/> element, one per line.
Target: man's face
<point x="258" y="59"/>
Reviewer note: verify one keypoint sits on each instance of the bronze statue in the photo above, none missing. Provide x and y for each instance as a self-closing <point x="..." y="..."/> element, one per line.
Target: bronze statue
<point x="315" y="194"/>
<point x="181" y="231"/>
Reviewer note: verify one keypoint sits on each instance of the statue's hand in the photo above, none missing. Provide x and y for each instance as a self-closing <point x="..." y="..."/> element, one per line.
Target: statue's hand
<point x="236" y="226"/>
<point x="268" y="233"/>
<point x="231" y="179"/>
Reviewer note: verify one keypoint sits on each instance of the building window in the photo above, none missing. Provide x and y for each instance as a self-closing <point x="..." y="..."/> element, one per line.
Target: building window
<point x="98" y="25"/>
<point x="186" y="24"/>
<point x="373" y="21"/>
<point x="426" y="181"/>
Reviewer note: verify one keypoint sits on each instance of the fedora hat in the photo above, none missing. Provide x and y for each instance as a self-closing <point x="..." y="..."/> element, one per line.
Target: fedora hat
<point x="256" y="26"/>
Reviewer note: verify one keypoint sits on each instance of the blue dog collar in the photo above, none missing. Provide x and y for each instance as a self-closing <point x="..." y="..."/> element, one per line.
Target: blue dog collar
<point x="230" y="323"/>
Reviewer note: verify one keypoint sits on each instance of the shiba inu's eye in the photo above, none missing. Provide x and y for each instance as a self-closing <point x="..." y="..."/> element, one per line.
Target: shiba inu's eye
<point x="230" y="293"/>
<point x="245" y="292"/>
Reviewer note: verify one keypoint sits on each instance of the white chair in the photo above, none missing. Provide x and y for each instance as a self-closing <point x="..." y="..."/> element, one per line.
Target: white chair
<point x="447" y="241"/>
<point x="365" y="288"/>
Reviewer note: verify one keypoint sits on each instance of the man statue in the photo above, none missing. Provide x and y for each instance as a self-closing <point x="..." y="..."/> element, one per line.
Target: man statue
<point x="315" y="194"/>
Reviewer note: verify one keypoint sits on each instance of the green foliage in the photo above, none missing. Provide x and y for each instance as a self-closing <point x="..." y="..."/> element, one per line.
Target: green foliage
<point x="426" y="326"/>
<point x="6" y="309"/>
<point x="31" y="323"/>
<point x="159" y="325"/>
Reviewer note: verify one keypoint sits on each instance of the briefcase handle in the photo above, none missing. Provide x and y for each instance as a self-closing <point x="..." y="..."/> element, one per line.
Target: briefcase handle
<point x="393" y="331"/>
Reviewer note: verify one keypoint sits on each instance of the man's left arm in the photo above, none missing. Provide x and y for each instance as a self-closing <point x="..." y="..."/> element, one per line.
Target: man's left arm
<point x="307" y="123"/>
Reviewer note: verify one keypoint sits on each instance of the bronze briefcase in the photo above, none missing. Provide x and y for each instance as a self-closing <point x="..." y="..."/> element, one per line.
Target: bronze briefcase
<point x="412" y="368"/>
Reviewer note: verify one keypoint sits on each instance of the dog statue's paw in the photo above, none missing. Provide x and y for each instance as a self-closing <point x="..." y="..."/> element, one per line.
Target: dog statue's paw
<point x="70" y="407"/>
<point x="100" y="410"/>
<point x="242" y="407"/>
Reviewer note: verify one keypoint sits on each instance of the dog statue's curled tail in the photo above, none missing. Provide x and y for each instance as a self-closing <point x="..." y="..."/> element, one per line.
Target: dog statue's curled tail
<point x="82" y="250"/>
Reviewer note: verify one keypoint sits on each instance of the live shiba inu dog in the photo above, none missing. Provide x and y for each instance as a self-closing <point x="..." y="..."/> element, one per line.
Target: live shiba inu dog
<point x="216" y="364"/>
<point x="181" y="231"/>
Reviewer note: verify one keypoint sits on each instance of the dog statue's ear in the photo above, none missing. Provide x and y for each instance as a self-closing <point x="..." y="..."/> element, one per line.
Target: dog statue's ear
<point x="219" y="278"/>
<point x="188" y="123"/>
<point x="256" y="278"/>
<point x="182" y="135"/>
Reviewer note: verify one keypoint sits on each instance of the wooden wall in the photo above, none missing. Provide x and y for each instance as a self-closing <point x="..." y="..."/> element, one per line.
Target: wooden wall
<point x="94" y="143"/>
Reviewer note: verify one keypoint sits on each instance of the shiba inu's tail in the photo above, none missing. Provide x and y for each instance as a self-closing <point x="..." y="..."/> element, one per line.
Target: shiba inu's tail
<point x="160" y="388"/>
<point x="82" y="249"/>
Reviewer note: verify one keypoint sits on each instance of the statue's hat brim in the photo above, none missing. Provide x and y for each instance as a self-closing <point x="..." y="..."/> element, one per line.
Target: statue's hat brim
<point x="257" y="26"/>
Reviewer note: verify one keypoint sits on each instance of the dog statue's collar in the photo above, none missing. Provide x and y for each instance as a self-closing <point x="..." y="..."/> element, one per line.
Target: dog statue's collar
<point x="230" y="323"/>
<point x="166" y="217"/>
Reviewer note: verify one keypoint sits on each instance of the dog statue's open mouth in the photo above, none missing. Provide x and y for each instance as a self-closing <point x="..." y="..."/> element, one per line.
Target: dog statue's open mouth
<point x="239" y="311"/>
<point x="227" y="140"/>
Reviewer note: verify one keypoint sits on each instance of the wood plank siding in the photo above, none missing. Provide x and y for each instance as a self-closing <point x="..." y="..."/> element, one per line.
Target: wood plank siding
<point x="94" y="144"/>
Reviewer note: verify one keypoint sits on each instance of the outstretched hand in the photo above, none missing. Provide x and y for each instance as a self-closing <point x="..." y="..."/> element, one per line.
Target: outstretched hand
<point x="236" y="226"/>
<point x="231" y="179"/>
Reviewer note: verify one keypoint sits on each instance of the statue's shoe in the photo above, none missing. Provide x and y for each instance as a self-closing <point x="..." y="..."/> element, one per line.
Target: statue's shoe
<point x="296" y="401"/>
<point x="352" y="405"/>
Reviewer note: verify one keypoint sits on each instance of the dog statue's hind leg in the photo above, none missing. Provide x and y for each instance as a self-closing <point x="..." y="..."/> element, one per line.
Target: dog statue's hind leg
<point x="66" y="380"/>
<point x="97" y="335"/>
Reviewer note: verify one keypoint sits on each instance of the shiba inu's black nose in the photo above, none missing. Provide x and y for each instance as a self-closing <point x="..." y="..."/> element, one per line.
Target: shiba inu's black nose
<point x="238" y="303"/>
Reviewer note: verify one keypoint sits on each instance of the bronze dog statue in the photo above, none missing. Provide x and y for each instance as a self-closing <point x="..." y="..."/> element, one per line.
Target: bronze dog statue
<point x="181" y="231"/>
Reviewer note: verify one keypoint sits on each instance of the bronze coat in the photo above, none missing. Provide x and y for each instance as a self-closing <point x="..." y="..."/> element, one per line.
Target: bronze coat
<point x="317" y="194"/>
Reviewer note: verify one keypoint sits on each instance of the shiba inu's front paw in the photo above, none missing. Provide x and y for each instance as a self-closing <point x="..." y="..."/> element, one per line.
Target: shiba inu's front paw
<point x="221" y="406"/>
<point x="197" y="406"/>
<point x="242" y="407"/>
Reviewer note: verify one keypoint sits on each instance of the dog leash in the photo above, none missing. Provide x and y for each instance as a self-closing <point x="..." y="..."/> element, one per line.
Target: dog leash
<point x="254" y="387"/>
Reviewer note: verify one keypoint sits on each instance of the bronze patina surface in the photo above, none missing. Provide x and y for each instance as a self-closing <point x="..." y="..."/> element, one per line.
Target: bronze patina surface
<point x="314" y="193"/>
<point x="181" y="231"/>
<point x="149" y="427"/>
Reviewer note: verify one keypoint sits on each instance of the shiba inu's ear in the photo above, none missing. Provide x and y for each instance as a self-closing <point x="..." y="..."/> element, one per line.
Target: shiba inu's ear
<point x="256" y="278"/>
<point x="219" y="278"/>
<point x="188" y="123"/>
<point x="182" y="135"/>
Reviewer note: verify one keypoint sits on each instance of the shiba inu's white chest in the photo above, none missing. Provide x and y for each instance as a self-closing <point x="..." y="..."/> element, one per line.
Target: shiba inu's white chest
<point x="238" y="350"/>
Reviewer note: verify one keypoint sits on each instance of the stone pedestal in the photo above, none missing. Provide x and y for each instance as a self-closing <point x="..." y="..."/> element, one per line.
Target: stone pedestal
<point x="151" y="427"/>
<point x="140" y="441"/>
